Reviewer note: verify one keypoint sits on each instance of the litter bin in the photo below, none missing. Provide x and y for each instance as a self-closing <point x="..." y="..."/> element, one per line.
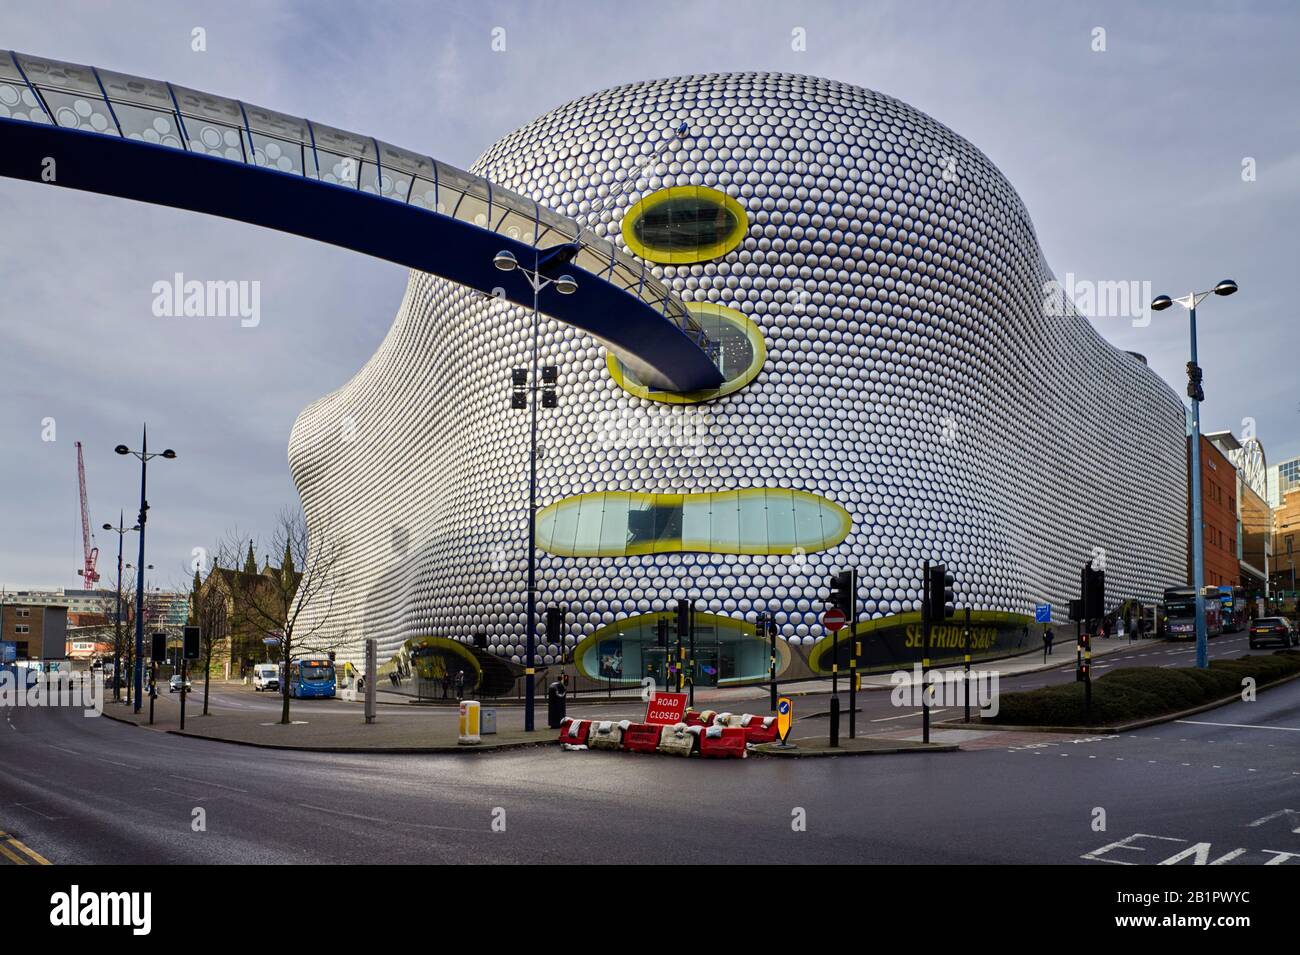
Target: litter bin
<point x="555" y="705"/>
<point x="469" y="723"/>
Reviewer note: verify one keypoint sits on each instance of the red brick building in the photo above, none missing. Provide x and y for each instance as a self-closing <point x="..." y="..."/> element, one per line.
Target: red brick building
<point x="1218" y="517"/>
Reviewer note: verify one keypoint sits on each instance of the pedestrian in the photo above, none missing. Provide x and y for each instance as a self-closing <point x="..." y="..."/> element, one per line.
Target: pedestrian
<point x="1048" y="637"/>
<point x="460" y="684"/>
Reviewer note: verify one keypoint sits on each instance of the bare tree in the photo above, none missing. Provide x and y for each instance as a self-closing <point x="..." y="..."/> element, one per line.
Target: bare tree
<point x="208" y="609"/>
<point x="304" y="580"/>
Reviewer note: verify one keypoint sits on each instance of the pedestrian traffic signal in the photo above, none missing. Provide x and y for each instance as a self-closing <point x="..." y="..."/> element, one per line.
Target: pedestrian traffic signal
<point x="1194" y="390"/>
<point x="842" y="596"/>
<point x="942" y="593"/>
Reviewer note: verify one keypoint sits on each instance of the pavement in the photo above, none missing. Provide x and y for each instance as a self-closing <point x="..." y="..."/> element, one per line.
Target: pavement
<point x="238" y="714"/>
<point x="1219" y="787"/>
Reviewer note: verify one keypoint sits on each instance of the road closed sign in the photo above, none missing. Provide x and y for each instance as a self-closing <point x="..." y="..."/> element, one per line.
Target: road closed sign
<point x="784" y="717"/>
<point x="666" y="709"/>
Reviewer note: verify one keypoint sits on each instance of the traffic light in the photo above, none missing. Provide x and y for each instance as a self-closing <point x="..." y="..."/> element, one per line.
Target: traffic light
<point x="1076" y="610"/>
<point x="842" y="597"/>
<point x="519" y="388"/>
<point x="550" y="378"/>
<point x="192" y="635"/>
<point x="159" y="653"/>
<point x="555" y="624"/>
<point x="662" y="636"/>
<point x="683" y="618"/>
<point x="1194" y="390"/>
<point x="1085" y="657"/>
<point x="1093" y="592"/>
<point x="943" y="599"/>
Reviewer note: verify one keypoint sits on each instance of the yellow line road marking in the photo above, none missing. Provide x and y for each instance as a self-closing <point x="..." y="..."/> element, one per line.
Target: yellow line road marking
<point x="16" y="860"/>
<point x="39" y="859"/>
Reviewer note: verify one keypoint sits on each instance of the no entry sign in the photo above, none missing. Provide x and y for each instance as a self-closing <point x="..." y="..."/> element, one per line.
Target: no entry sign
<point x="666" y="709"/>
<point x="834" y="619"/>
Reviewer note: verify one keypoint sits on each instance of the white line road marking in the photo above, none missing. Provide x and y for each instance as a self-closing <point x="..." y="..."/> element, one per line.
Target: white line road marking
<point x="886" y="719"/>
<point x="1290" y="815"/>
<point x="388" y="822"/>
<point x="1242" y="726"/>
<point x="206" y="783"/>
<point x="103" y="759"/>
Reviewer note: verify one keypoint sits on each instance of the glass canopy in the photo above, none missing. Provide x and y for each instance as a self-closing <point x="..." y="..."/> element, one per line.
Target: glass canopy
<point x="113" y="104"/>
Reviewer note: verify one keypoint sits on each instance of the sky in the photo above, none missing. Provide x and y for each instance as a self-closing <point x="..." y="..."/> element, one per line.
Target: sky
<point x="1155" y="143"/>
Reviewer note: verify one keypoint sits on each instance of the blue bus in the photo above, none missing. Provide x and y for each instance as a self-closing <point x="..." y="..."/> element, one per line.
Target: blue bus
<point x="311" y="677"/>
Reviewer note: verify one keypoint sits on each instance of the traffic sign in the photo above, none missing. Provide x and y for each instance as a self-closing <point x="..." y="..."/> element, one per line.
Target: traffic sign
<point x="1043" y="613"/>
<point x="666" y="709"/>
<point x="784" y="717"/>
<point x="834" y="619"/>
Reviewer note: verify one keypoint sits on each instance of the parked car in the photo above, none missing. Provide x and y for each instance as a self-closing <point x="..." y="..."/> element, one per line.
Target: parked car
<point x="177" y="680"/>
<point x="1273" y="629"/>
<point x="266" y="676"/>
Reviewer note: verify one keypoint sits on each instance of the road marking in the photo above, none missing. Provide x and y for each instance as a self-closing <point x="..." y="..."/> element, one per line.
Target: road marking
<point x="206" y="783"/>
<point x="387" y="822"/>
<point x="16" y="860"/>
<point x="886" y="719"/>
<point x="104" y="759"/>
<point x="36" y="856"/>
<point x="1242" y="726"/>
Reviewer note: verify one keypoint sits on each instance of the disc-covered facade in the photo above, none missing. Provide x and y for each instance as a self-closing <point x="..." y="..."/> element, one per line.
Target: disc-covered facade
<point x="901" y="387"/>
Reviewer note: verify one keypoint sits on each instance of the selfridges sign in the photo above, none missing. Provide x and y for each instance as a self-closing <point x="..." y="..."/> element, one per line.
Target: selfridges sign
<point x="890" y="642"/>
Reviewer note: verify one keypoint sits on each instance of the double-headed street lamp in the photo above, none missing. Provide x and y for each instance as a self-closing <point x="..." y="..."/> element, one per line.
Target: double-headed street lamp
<point x="145" y="455"/>
<point x="1189" y="302"/>
<point x="121" y="531"/>
<point x="564" y="285"/>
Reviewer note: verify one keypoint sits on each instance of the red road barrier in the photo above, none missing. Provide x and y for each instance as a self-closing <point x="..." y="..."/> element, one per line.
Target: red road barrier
<point x="759" y="729"/>
<point x="642" y="737"/>
<point x="574" y="733"/>
<point x="718" y="742"/>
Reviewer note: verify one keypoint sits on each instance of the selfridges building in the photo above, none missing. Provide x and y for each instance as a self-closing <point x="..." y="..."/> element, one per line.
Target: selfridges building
<point x="902" y="385"/>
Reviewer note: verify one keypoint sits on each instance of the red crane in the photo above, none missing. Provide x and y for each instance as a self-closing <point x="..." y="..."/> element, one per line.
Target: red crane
<point x="89" y="576"/>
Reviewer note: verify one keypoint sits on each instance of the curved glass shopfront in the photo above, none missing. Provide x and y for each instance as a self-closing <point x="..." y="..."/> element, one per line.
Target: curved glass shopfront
<point x="726" y="651"/>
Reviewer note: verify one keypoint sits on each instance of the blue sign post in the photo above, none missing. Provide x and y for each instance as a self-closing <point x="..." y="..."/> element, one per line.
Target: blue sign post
<point x="1043" y="613"/>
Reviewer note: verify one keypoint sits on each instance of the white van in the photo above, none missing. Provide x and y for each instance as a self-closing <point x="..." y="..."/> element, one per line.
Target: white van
<point x="266" y="676"/>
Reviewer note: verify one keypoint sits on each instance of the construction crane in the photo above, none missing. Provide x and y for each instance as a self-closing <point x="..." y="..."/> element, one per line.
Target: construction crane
<point x="90" y="554"/>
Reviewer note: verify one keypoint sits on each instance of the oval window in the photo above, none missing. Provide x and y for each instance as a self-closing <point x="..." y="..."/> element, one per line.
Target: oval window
<point x="740" y="353"/>
<point x="745" y="521"/>
<point x="684" y="224"/>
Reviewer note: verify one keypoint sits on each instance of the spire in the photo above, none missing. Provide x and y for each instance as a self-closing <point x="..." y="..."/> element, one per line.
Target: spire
<point x="286" y="562"/>
<point x="194" y="597"/>
<point x="250" y="562"/>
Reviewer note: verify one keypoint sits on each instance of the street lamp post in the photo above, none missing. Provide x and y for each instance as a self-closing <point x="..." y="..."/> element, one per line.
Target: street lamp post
<point x="1189" y="302"/>
<point x="565" y="285"/>
<point x="122" y="531"/>
<point x="144" y="455"/>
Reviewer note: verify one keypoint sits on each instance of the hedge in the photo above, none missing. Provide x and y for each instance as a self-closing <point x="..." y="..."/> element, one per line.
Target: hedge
<point x="1137" y="693"/>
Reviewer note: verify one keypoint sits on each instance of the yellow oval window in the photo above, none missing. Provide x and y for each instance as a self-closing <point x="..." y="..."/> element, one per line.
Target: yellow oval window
<point x="745" y="521"/>
<point x="739" y="352"/>
<point x="684" y="224"/>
